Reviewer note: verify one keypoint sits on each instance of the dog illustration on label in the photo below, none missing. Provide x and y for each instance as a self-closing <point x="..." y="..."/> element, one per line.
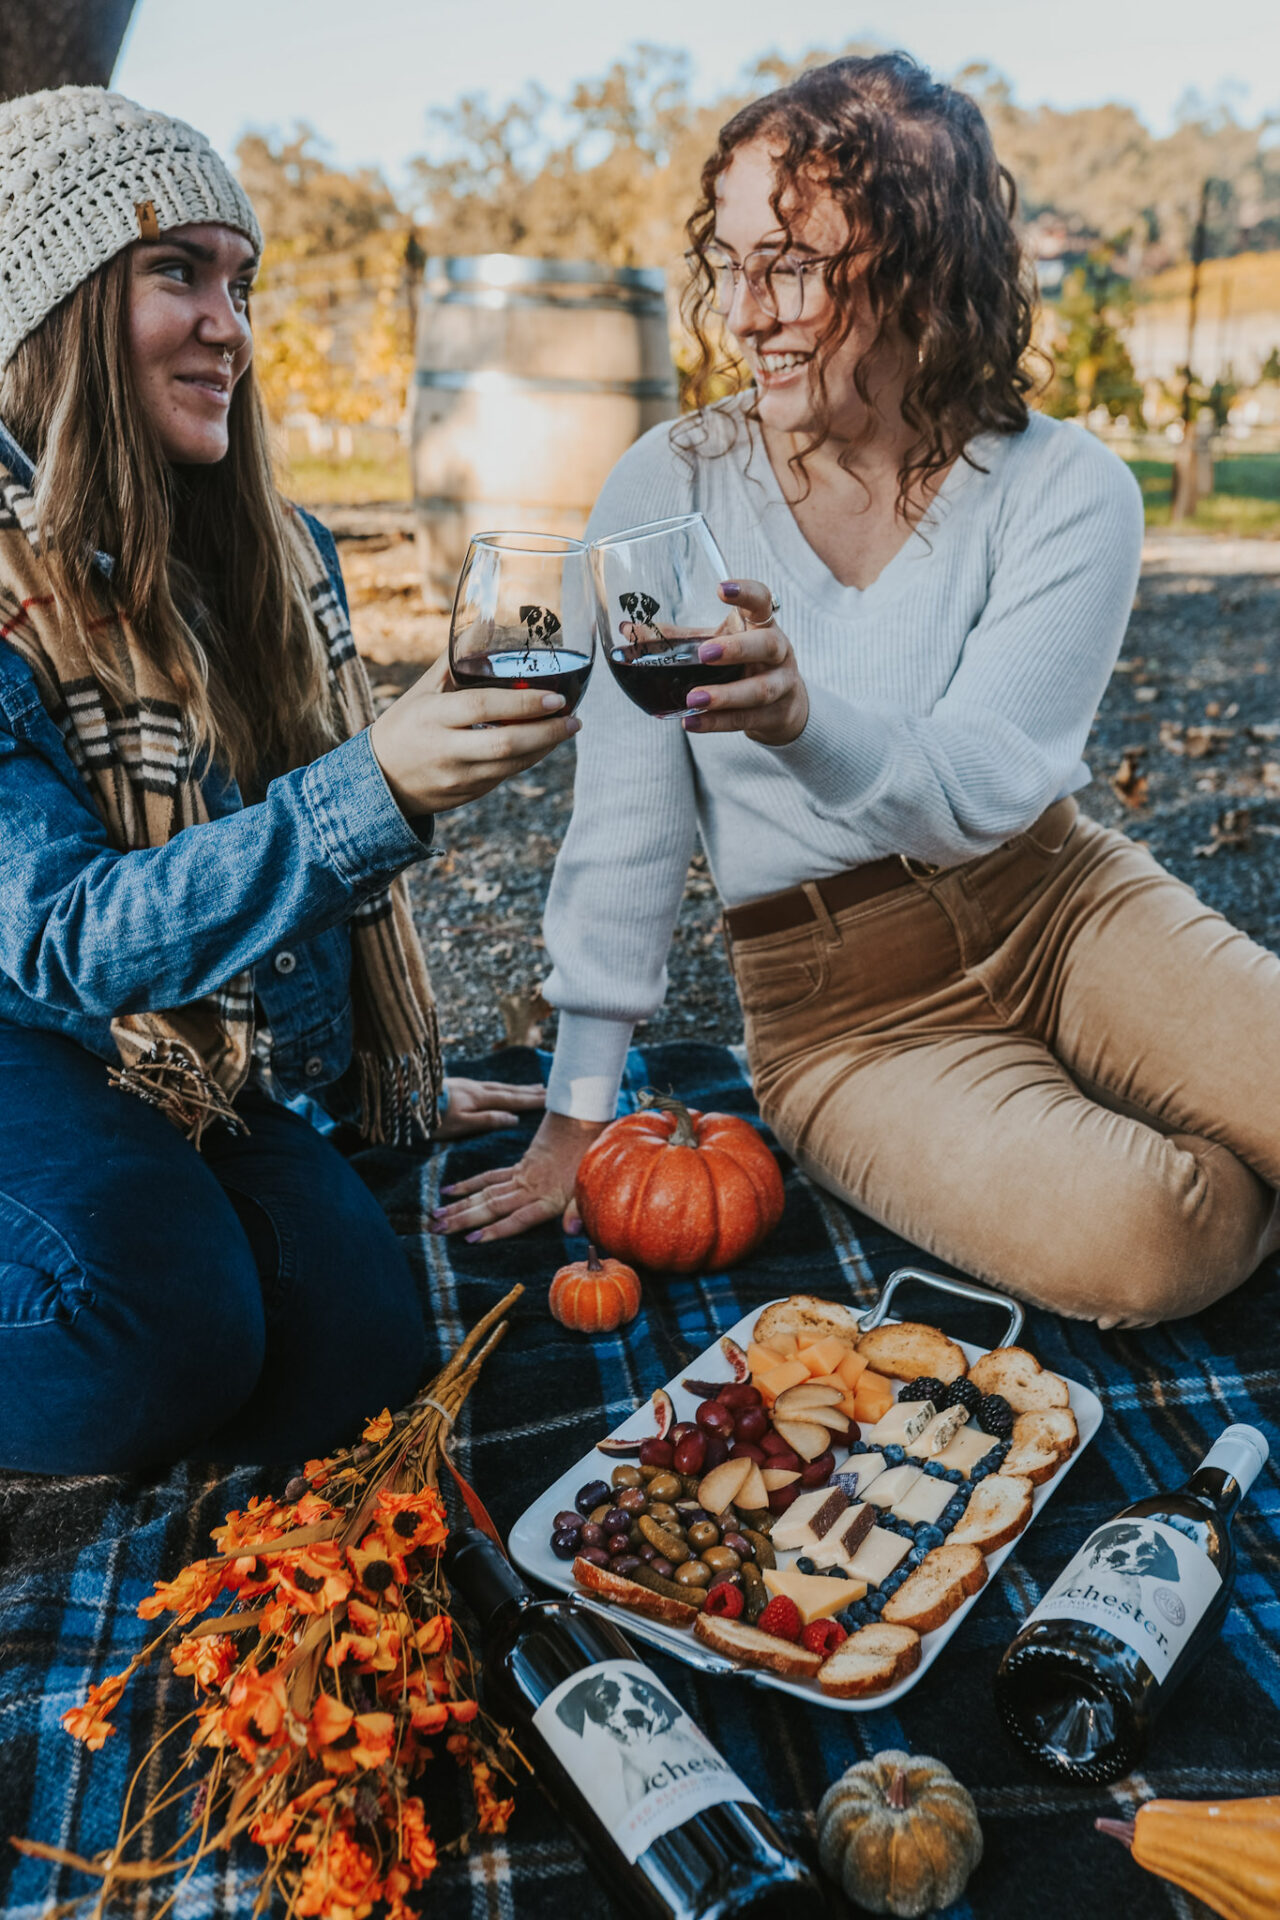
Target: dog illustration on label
<point x="641" y="1719"/>
<point x="1129" y="1555"/>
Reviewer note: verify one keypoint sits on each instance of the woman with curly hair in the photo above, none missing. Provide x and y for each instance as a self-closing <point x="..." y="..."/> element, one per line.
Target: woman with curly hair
<point x="998" y="1029"/>
<point x="203" y="833"/>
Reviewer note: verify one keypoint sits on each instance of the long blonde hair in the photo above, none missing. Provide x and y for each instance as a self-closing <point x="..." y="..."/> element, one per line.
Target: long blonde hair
<point x="202" y="559"/>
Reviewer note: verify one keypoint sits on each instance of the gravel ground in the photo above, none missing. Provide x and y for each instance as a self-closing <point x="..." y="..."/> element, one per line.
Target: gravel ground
<point x="1185" y="753"/>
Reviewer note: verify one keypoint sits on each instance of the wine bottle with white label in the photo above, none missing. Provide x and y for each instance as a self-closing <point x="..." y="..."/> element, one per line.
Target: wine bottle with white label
<point x="1127" y="1620"/>
<point x="668" y="1826"/>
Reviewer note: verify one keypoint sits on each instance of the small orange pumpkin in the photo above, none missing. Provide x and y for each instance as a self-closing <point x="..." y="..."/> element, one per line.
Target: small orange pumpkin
<point x="595" y="1295"/>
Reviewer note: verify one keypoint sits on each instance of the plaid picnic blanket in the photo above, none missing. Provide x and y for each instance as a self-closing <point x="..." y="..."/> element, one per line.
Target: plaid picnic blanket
<point x="76" y="1557"/>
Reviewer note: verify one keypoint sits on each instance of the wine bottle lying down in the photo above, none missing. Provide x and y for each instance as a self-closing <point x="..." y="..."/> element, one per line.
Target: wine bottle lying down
<point x="671" y="1830"/>
<point x="1127" y="1620"/>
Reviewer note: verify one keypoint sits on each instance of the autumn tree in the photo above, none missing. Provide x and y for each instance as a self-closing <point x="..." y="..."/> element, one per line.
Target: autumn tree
<point x="1091" y="364"/>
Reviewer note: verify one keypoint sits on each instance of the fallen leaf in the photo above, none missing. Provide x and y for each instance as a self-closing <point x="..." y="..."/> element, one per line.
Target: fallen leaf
<point x="1128" y="782"/>
<point x="1233" y="830"/>
<point x="523" y="1013"/>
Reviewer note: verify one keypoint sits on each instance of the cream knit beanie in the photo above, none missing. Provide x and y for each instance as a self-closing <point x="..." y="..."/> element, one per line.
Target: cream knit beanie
<point x="83" y="174"/>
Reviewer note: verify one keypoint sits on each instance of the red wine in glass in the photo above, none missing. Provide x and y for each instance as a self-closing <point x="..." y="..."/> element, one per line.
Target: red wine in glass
<point x="659" y="678"/>
<point x="548" y="669"/>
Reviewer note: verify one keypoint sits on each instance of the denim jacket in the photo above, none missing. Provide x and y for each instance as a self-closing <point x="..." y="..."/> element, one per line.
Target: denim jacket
<point x="87" y="932"/>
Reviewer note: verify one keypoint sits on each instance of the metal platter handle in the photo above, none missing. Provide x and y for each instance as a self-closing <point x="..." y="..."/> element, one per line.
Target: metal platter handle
<point x="966" y="1289"/>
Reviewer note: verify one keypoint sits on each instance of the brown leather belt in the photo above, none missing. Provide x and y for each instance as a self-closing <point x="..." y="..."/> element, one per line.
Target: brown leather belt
<point x="779" y="912"/>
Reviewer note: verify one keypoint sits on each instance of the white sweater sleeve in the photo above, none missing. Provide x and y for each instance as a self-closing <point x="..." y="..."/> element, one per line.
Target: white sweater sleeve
<point x="619" y="876"/>
<point x="1003" y="741"/>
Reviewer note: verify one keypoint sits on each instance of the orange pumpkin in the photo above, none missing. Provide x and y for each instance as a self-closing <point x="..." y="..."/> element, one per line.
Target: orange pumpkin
<point x="595" y="1295"/>
<point x="679" y="1191"/>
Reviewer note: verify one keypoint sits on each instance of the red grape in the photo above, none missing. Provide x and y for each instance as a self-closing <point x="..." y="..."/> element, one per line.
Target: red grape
<point x="681" y="1431"/>
<point x="712" y="1417"/>
<point x="774" y="1443"/>
<point x="656" y="1453"/>
<point x="781" y="1497"/>
<point x="786" y="1462"/>
<point x="751" y="1424"/>
<point x="740" y="1393"/>
<point x="717" y="1451"/>
<point x="742" y="1450"/>
<point x="691" y="1453"/>
<point x="818" y="1471"/>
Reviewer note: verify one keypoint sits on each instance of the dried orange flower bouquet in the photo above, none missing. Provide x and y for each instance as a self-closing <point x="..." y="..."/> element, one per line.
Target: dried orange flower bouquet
<point x="323" y="1681"/>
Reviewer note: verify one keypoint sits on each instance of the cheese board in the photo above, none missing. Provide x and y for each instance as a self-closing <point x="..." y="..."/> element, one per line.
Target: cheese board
<point x="886" y="1478"/>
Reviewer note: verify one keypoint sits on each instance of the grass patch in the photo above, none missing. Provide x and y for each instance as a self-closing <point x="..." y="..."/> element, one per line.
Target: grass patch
<point x="347" y="483"/>
<point x="1245" y="500"/>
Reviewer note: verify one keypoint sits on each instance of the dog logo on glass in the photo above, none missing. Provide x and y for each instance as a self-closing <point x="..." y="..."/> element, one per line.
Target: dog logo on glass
<point x="539" y="622"/>
<point x="641" y="1720"/>
<point x="640" y="609"/>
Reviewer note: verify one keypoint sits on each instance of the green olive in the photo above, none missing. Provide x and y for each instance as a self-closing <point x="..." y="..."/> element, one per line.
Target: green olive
<point x="666" y="1486"/>
<point x="597" y="1514"/>
<point x="664" y="1514"/>
<point x="703" y="1534"/>
<point x="722" y="1559"/>
<point x="694" y="1573"/>
<point x="626" y="1477"/>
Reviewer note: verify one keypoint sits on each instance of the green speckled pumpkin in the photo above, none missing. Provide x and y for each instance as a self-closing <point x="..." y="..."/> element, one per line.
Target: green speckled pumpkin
<point x="899" y="1834"/>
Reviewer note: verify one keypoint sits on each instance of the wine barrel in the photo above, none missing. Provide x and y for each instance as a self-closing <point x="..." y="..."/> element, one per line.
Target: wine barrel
<point x="531" y="377"/>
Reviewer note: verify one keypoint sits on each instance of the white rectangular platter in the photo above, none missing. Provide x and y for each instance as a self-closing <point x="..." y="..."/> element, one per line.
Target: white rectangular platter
<point x="530" y="1540"/>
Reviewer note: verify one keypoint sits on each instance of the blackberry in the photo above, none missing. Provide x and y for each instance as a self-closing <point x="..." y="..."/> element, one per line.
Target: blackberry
<point x="995" y="1416"/>
<point x="926" y="1389"/>
<point x="962" y="1393"/>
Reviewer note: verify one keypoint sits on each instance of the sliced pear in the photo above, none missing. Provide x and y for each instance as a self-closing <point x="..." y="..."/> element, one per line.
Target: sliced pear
<point x="792" y="1399"/>
<point x="775" y="1477"/>
<point x="719" y="1488"/>
<point x="829" y="1417"/>
<point x="804" y="1437"/>
<point x="753" y="1493"/>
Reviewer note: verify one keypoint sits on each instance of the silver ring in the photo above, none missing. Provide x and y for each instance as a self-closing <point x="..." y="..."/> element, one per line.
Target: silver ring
<point x="775" y="605"/>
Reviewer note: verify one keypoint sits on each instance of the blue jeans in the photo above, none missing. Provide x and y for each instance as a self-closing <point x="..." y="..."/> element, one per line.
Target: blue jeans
<point x="248" y="1302"/>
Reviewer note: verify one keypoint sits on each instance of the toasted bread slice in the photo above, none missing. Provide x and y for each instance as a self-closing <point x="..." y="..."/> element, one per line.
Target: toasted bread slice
<point x="626" y="1593"/>
<point x="910" y="1351"/>
<point x="942" y="1582"/>
<point x="869" y="1661"/>
<point x="1019" y="1377"/>
<point x="999" y="1508"/>
<point x="809" y="1319"/>
<point x="1041" y="1441"/>
<point x="754" y="1648"/>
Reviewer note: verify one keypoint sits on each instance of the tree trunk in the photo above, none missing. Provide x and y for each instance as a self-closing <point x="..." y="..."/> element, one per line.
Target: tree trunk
<point x="53" y="43"/>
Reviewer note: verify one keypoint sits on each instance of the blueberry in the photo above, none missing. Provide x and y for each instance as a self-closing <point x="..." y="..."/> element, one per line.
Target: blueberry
<point x="860" y="1446"/>
<point x="896" y="1578"/>
<point x="805" y="1565"/>
<point x="934" y="1469"/>
<point x="952" y="1514"/>
<point x="838" y="1573"/>
<point x="915" y="1556"/>
<point x="980" y="1472"/>
<point x="876" y="1603"/>
<point x="894" y="1456"/>
<point x="953" y="1474"/>
<point x="930" y="1537"/>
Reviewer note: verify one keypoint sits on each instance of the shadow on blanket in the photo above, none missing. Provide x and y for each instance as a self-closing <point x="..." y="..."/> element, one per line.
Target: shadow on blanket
<point x="76" y="1556"/>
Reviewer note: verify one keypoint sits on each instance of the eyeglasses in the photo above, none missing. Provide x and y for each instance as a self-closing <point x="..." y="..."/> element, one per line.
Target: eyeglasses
<point x="780" y="283"/>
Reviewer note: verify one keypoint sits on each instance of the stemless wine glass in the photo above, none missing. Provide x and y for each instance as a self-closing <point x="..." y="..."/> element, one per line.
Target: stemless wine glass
<point x="523" y="615"/>
<point x="657" y="602"/>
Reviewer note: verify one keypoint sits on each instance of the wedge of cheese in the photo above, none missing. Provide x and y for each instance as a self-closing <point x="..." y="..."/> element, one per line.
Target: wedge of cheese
<point x="816" y="1595"/>
<point x="857" y="1472"/>
<point x="793" y="1526"/>
<point x="904" y="1420"/>
<point x="939" y="1433"/>
<point x="878" y="1555"/>
<point x="847" y="1535"/>
<point x="890" y="1486"/>
<point x="968" y="1447"/>
<point x="816" y="1525"/>
<point x="924" y="1502"/>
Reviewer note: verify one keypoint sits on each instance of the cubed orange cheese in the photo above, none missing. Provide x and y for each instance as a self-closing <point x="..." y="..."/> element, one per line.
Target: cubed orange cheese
<point x="852" y="1368"/>
<point x="789" y="1373"/>
<point x="873" y="1396"/>
<point x="848" y="1406"/>
<point x="763" y="1359"/>
<point x="823" y="1356"/>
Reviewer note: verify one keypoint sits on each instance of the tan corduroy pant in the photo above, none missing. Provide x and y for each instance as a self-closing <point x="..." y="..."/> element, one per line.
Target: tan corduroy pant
<point x="1052" y="1066"/>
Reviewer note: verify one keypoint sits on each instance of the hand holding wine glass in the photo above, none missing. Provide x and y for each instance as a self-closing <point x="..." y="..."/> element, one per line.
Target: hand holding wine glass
<point x="766" y="698"/>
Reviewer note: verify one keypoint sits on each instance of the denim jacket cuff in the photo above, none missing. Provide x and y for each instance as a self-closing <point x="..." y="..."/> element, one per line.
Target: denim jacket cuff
<point x="362" y="830"/>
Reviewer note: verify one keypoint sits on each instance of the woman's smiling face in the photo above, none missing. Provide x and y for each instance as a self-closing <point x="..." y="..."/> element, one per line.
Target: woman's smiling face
<point x="189" y="337"/>
<point x="781" y="352"/>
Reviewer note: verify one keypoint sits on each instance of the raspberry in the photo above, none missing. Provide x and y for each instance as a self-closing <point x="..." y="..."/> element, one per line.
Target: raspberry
<point x="781" y="1617"/>
<point x="724" y="1601"/>
<point x="823" y="1636"/>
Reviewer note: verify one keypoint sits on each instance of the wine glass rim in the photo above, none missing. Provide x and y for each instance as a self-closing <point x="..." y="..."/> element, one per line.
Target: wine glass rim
<point x="651" y="529"/>
<point x="516" y="541"/>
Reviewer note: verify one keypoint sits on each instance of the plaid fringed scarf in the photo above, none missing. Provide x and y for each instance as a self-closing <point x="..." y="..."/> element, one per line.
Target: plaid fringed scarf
<point x="135" y="759"/>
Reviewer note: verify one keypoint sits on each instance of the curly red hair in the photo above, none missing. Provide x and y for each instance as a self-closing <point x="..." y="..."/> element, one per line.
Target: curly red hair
<point x="932" y="249"/>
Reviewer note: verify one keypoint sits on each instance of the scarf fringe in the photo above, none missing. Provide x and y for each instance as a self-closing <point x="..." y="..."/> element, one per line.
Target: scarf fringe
<point x="398" y="1095"/>
<point x="169" y="1076"/>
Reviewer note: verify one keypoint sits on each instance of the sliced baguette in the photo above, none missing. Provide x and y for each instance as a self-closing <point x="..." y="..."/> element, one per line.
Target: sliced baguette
<point x="626" y="1593"/>
<point x="869" y="1661"/>
<point x="807" y="1319"/>
<point x="942" y="1582"/>
<point x="912" y="1351"/>
<point x="1018" y="1376"/>
<point x="1040" y="1442"/>
<point x="753" y="1648"/>
<point x="999" y="1508"/>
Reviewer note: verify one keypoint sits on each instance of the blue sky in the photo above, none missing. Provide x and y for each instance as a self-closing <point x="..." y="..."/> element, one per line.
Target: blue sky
<point x="365" y="72"/>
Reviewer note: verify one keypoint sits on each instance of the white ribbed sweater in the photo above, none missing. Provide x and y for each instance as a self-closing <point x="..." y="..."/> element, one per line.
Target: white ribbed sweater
<point x="949" y="705"/>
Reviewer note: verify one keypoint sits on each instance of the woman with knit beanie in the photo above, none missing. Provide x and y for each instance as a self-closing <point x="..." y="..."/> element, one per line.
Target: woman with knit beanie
<point x="999" y="1030"/>
<point x="202" y="839"/>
